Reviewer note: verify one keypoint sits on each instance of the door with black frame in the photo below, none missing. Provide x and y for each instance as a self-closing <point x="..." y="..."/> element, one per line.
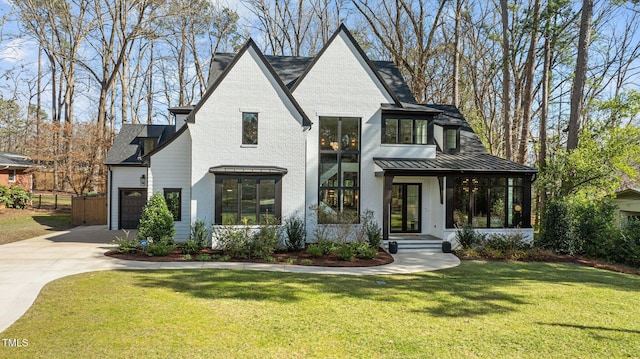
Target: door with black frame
<point x="406" y="208"/>
<point x="132" y="201"/>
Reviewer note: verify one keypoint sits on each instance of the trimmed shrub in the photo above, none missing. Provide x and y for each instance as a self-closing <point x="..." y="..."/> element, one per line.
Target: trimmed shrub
<point x="265" y="242"/>
<point x="625" y="248"/>
<point x="235" y="241"/>
<point x="296" y="233"/>
<point x="201" y="234"/>
<point x="467" y="237"/>
<point x="345" y="252"/>
<point x="160" y="248"/>
<point x="556" y="229"/>
<point x="371" y="229"/>
<point x="315" y="250"/>
<point x="156" y="221"/>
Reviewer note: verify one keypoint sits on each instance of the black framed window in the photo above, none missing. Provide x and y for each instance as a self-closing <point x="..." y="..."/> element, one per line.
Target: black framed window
<point x="412" y="130"/>
<point x="451" y="139"/>
<point x="249" y="128"/>
<point x="173" y="197"/>
<point x="339" y="170"/>
<point x="247" y="199"/>
<point x="147" y="145"/>
<point x="489" y="202"/>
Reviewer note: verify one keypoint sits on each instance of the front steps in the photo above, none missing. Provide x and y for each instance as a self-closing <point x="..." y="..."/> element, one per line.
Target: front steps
<point x="415" y="243"/>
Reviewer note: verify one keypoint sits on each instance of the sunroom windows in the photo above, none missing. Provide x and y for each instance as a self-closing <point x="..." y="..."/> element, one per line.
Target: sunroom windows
<point x="339" y="172"/>
<point x="489" y="202"/>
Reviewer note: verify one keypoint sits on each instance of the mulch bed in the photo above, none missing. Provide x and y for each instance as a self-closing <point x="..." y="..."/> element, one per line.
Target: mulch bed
<point x="329" y="260"/>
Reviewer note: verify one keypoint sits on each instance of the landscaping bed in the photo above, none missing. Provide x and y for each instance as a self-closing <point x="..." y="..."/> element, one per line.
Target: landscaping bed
<point x="294" y="258"/>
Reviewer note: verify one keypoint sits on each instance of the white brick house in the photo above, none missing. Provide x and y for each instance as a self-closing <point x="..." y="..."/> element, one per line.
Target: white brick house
<point x="280" y="135"/>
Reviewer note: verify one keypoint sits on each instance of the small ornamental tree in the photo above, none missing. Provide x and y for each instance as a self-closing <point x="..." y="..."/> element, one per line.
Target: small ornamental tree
<point x="156" y="221"/>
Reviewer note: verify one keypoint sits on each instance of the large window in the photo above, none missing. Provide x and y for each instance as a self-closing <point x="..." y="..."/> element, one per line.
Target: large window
<point x="249" y="128"/>
<point x="173" y="198"/>
<point x="249" y="199"/>
<point x="488" y="202"/>
<point x="339" y="172"/>
<point x="405" y="130"/>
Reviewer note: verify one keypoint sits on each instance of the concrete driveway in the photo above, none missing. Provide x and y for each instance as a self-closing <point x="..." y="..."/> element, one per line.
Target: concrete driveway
<point x="26" y="266"/>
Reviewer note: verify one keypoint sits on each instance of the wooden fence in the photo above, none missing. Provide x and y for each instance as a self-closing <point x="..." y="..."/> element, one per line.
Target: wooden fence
<point x="88" y="211"/>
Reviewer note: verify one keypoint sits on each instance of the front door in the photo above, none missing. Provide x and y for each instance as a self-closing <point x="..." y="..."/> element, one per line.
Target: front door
<point x="132" y="202"/>
<point x="406" y="207"/>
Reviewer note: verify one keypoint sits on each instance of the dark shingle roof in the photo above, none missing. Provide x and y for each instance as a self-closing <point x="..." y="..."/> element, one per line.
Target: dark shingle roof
<point x="14" y="160"/>
<point x="289" y="68"/>
<point x="126" y="149"/>
<point x="447" y="163"/>
<point x="450" y="115"/>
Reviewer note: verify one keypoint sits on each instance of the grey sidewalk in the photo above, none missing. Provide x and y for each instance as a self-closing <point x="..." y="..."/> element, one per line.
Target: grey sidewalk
<point x="27" y="266"/>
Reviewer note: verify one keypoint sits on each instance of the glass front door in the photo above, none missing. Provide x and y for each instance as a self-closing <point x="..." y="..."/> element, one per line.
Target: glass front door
<point x="406" y="207"/>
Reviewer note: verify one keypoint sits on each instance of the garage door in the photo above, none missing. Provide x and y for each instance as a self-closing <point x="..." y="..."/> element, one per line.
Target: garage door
<point x="132" y="202"/>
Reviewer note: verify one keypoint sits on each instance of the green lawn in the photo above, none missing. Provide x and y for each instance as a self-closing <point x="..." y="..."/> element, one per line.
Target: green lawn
<point x="476" y="310"/>
<point x="16" y="225"/>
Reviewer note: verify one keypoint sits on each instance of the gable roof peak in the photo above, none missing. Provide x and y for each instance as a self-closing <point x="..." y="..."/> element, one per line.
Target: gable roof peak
<point x="343" y="29"/>
<point x="250" y="44"/>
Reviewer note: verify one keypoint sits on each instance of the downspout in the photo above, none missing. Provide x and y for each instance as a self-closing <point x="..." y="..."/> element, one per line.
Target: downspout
<point x="110" y="199"/>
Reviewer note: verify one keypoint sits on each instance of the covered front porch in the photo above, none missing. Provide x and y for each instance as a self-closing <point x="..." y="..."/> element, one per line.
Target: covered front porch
<point x="480" y="190"/>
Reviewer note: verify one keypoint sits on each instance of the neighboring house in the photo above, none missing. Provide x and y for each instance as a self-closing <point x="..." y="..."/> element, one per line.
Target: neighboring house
<point x="14" y="170"/>
<point x="338" y="132"/>
<point x="628" y="202"/>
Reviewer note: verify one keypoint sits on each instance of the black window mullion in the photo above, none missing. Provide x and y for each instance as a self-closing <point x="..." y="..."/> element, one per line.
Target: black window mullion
<point x="239" y="201"/>
<point x="257" y="208"/>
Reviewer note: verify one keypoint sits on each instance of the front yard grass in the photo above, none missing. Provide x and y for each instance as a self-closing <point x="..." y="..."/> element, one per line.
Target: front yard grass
<point x="16" y="225"/>
<point x="479" y="309"/>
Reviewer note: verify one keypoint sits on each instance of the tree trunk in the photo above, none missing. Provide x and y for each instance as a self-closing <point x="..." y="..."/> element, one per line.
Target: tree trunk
<point x="456" y="56"/>
<point x="527" y="98"/>
<point x="582" y="62"/>
<point x="506" y="80"/>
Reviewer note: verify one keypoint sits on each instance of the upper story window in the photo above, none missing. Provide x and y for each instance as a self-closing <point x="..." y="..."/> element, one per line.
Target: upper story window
<point x="451" y="139"/>
<point x="412" y="131"/>
<point x="147" y="145"/>
<point x="12" y="175"/>
<point x="249" y="128"/>
<point x="339" y="172"/>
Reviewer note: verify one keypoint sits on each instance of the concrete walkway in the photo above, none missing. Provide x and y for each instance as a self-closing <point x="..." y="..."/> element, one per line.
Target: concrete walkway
<point x="26" y="266"/>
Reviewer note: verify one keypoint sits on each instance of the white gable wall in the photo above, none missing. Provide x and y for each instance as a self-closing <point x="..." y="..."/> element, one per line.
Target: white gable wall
<point x="342" y="84"/>
<point x="171" y="168"/>
<point x="217" y="135"/>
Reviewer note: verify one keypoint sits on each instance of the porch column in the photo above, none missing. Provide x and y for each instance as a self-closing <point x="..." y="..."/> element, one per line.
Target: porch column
<point x="386" y="204"/>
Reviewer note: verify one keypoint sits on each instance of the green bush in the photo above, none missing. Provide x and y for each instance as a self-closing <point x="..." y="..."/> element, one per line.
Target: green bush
<point x="625" y="247"/>
<point x="467" y="237"/>
<point x="190" y="247"/>
<point x="345" y="252"/>
<point x="315" y="250"/>
<point x="593" y="225"/>
<point x="364" y="251"/>
<point x="505" y="242"/>
<point x="266" y="240"/>
<point x="160" y="248"/>
<point x="14" y="197"/>
<point x="126" y="244"/>
<point x="327" y="246"/>
<point x="203" y="257"/>
<point x="556" y="229"/>
<point x="156" y="221"/>
<point x="296" y="233"/>
<point x="201" y="234"/>
<point x="371" y="229"/>
<point x="235" y="241"/>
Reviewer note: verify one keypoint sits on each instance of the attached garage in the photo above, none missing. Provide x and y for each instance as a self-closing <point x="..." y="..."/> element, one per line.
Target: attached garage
<point x="132" y="201"/>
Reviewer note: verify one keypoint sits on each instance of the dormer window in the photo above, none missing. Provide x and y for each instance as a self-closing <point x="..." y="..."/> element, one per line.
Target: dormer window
<point x="451" y="139"/>
<point x="147" y="145"/>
